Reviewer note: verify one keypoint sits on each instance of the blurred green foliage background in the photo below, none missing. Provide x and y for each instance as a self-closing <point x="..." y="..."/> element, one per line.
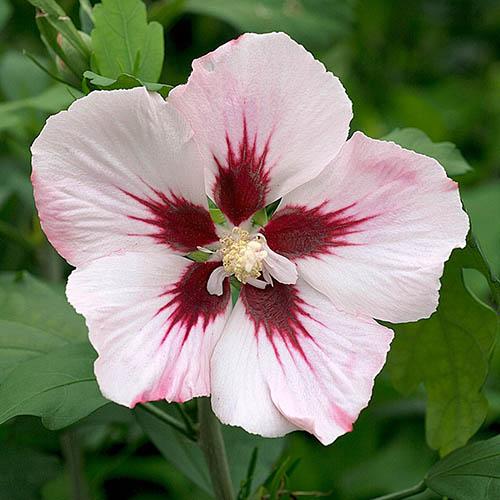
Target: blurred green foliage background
<point x="429" y="64"/>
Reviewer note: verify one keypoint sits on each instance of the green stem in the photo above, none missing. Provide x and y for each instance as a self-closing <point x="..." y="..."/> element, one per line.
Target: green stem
<point x="74" y="462"/>
<point x="414" y="490"/>
<point x="212" y="445"/>
<point x="168" y="419"/>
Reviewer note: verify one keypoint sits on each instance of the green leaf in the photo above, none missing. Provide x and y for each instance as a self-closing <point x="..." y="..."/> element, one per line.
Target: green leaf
<point x="445" y="153"/>
<point x="246" y="485"/>
<point x="25" y="86"/>
<point x="481" y="202"/>
<point x="124" y="81"/>
<point x="86" y="16"/>
<point x="59" y="387"/>
<point x="24" y="471"/>
<point x="28" y="301"/>
<point x="315" y="23"/>
<point x="403" y="459"/>
<point x="5" y="12"/>
<point x="124" y="42"/>
<point x="46" y="363"/>
<point x="449" y="354"/>
<point x="180" y="451"/>
<point x="277" y="480"/>
<point x="20" y="78"/>
<point x="52" y="100"/>
<point x="19" y="343"/>
<point x="472" y="472"/>
<point x="260" y="218"/>
<point x="15" y="182"/>
<point x="166" y="11"/>
<point x="188" y="458"/>
<point x="217" y="216"/>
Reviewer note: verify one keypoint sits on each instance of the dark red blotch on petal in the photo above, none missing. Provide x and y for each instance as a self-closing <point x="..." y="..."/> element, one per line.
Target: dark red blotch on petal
<point x="279" y="311"/>
<point x="298" y="231"/>
<point x="180" y="224"/>
<point x="242" y="181"/>
<point x="190" y="301"/>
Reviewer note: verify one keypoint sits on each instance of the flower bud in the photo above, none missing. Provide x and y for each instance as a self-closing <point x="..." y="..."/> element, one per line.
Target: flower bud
<point x="70" y="61"/>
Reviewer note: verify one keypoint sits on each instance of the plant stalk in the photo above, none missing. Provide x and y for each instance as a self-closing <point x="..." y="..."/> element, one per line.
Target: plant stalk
<point x="74" y="462"/>
<point x="212" y="445"/>
<point x="410" y="492"/>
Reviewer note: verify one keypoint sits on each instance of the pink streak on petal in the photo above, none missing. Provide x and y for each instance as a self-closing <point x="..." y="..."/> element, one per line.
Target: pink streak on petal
<point x="191" y="301"/>
<point x="297" y="231"/>
<point x="179" y="223"/>
<point x="242" y="182"/>
<point x="279" y="311"/>
<point x="342" y="418"/>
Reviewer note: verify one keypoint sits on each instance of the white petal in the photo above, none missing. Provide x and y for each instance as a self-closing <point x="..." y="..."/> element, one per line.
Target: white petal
<point x="240" y="394"/>
<point x="373" y="230"/>
<point x="215" y="285"/>
<point x="152" y="322"/>
<point x="268" y="118"/>
<point x="119" y="171"/>
<point x="280" y="268"/>
<point x="287" y="353"/>
<point x="258" y="283"/>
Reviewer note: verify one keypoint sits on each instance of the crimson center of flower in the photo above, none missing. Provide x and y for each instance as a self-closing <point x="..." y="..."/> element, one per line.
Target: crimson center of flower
<point x="242" y="254"/>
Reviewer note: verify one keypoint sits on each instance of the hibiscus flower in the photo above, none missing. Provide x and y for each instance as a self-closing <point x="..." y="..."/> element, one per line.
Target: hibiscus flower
<point x="361" y="233"/>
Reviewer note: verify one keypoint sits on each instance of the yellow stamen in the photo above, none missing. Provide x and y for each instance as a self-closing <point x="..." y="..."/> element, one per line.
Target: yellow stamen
<point x="242" y="254"/>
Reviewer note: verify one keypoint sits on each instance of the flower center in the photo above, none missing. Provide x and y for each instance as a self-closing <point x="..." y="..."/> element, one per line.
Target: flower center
<point x="242" y="254"/>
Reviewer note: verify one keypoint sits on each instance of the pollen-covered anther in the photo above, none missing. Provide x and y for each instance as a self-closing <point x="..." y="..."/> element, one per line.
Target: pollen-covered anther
<point x="242" y="254"/>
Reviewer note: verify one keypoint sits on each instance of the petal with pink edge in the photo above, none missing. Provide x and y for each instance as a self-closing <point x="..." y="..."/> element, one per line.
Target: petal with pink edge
<point x="152" y="322"/>
<point x="287" y="359"/>
<point x="268" y="118"/>
<point x="373" y="230"/>
<point x="119" y="171"/>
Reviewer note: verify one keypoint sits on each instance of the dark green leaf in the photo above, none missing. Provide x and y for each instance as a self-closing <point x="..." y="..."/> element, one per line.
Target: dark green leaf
<point x="445" y="153"/>
<point x="166" y="11"/>
<point x="403" y="459"/>
<point x="15" y="182"/>
<point x="240" y="446"/>
<point x="59" y="387"/>
<point x="124" y="81"/>
<point x="24" y="471"/>
<point x="188" y="458"/>
<point x="5" y="11"/>
<point x="27" y="301"/>
<point x="46" y="362"/>
<point x="469" y="473"/>
<point x="124" y="42"/>
<point x="449" y="354"/>
<point x="246" y="484"/>
<point x="20" y="342"/>
<point x="181" y="452"/>
<point x="315" y="23"/>
<point x="483" y="203"/>
<point x="277" y="480"/>
<point x="20" y="78"/>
